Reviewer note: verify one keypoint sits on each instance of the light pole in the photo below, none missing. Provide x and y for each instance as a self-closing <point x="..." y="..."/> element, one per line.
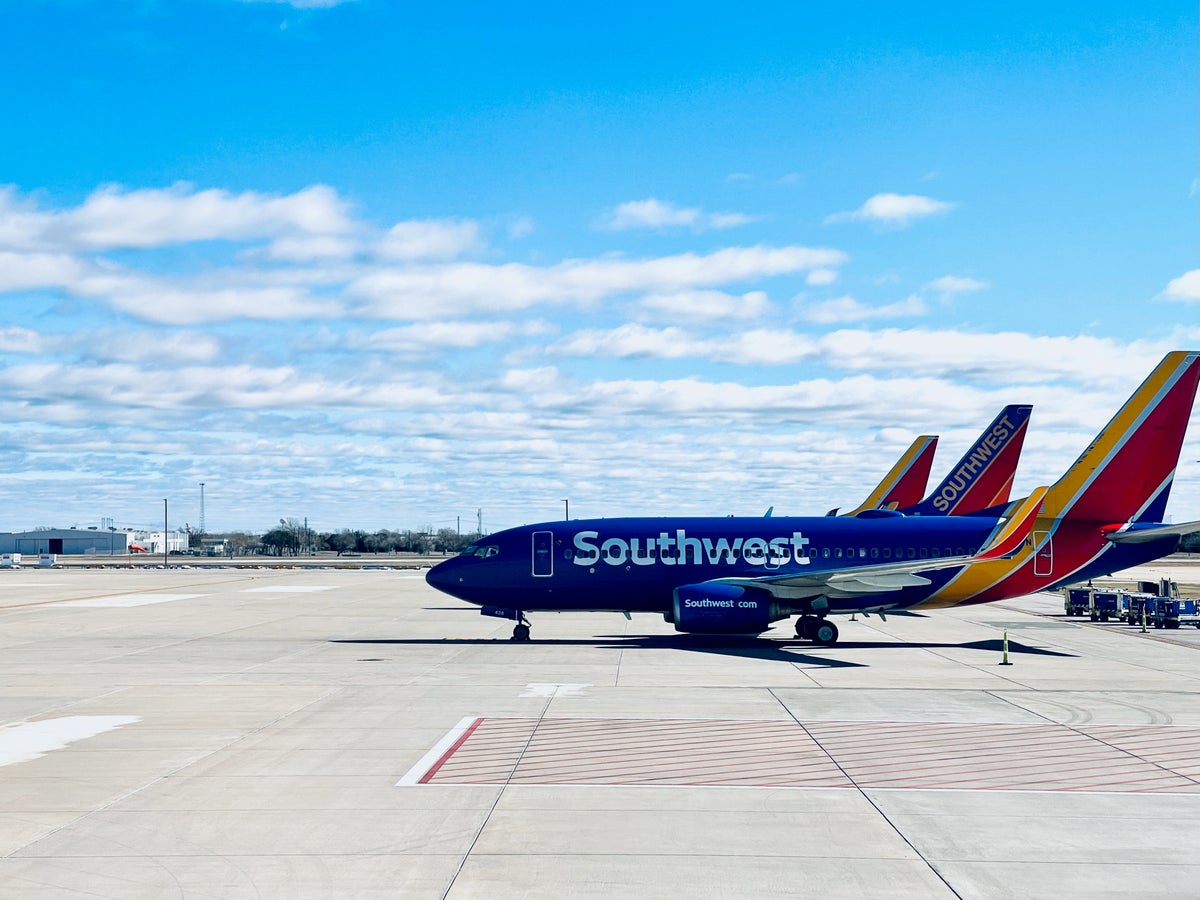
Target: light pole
<point x="165" y="549"/>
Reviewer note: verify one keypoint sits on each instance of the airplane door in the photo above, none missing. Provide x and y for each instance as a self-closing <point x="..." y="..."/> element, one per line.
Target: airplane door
<point x="1043" y="557"/>
<point x="543" y="554"/>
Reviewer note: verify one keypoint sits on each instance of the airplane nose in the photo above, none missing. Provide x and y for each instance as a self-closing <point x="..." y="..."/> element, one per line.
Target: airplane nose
<point x="442" y="577"/>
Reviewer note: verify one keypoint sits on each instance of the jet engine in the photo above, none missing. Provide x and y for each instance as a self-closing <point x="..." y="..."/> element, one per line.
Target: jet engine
<point x="714" y="608"/>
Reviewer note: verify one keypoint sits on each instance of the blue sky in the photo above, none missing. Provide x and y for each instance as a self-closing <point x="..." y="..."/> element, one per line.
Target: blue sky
<point x="382" y="267"/>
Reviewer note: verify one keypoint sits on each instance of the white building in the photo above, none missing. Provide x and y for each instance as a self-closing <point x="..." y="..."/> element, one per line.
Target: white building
<point x="152" y="541"/>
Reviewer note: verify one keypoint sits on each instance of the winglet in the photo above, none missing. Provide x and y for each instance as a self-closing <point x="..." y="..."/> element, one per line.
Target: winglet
<point x="904" y="484"/>
<point x="1018" y="526"/>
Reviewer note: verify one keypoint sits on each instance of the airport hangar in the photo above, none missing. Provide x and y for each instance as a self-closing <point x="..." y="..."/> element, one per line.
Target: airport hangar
<point x="89" y="541"/>
<point x="70" y="541"/>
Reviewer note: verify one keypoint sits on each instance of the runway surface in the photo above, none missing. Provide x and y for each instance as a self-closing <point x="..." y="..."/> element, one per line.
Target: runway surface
<point x="340" y="733"/>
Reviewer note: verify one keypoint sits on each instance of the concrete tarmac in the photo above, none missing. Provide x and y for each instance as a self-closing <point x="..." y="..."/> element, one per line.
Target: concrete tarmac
<point x="336" y="733"/>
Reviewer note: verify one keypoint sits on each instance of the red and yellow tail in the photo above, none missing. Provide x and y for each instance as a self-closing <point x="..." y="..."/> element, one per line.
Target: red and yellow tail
<point x="1124" y="475"/>
<point x="905" y="483"/>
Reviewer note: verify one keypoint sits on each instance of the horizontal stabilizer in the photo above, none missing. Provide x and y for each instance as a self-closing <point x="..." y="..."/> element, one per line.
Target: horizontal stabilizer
<point x="1131" y="534"/>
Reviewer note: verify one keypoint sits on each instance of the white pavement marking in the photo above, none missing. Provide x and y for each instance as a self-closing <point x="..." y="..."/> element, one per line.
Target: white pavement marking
<point x="290" y="589"/>
<point x="30" y="740"/>
<point x="436" y="752"/>
<point x="552" y="689"/>
<point x="130" y="600"/>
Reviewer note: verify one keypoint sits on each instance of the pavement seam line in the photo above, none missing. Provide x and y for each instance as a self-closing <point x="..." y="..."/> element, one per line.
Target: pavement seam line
<point x="499" y="796"/>
<point x="862" y="792"/>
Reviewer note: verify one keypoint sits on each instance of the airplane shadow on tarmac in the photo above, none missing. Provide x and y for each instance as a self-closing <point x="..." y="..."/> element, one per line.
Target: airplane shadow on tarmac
<point x="721" y="645"/>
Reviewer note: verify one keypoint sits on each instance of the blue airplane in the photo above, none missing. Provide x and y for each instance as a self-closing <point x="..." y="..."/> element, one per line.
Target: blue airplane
<point x="739" y="575"/>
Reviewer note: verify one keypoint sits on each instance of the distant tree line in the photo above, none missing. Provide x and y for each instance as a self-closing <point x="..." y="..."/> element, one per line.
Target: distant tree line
<point x="293" y="538"/>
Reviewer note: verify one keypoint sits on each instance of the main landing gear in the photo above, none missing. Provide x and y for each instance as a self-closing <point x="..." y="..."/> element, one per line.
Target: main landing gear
<point x="817" y="629"/>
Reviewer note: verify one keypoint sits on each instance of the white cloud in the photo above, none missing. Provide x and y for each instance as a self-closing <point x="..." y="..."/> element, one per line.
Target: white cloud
<point x="420" y="292"/>
<point x="520" y="227"/>
<point x="895" y="210"/>
<point x="15" y="339"/>
<point x="168" y="301"/>
<point x="1185" y="288"/>
<point x="821" y="277"/>
<point x="430" y="337"/>
<point x="1000" y="358"/>
<point x="847" y="309"/>
<point x="431" y="239"/>
<point x="112" y="218"/>
<point x="948" y="285"/>
<point x="307" y="248"/>
<point x="630" y="341"/>
<point x="759" y="347"/>
<point x="706" y="306"/>
<point x="30" y="271"/>
<point x="304" y="4"/>
<point x="652" y="213"/>
<point x="155" y="218"/>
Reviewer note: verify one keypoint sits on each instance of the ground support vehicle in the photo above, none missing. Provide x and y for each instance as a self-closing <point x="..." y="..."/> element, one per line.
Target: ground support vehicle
<point x="1076" y="601"/>
<point x="1103" y="605"/>
<point x="1140" y="608"/>
<point x="1163" y="612"/>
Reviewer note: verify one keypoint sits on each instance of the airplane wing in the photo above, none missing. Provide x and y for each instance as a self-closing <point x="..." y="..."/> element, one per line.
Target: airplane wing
<point x="855" y="581"/>
<point x="1132" y="534"/>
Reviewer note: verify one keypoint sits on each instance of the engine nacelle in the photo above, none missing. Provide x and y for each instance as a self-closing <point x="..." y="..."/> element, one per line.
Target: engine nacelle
<point x="722" y="609"/>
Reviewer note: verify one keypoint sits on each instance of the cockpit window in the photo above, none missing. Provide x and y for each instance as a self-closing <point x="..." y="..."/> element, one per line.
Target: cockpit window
<point x="483" y="552"/>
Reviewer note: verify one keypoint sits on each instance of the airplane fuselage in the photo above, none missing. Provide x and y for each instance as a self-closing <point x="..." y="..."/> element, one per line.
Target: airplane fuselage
<point x="636" y="564"/>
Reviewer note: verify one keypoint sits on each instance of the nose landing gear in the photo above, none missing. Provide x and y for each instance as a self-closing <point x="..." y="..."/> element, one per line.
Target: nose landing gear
<point x="520" y="630"/>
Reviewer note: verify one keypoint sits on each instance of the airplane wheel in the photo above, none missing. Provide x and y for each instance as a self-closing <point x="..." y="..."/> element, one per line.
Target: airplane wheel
<point x="804" y="627"/>
<point x="521" y="633"/>
<point x="825" y="633"/>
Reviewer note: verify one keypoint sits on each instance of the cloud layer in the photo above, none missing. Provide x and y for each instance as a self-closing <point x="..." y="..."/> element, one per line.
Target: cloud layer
<point x="303" y="360"/>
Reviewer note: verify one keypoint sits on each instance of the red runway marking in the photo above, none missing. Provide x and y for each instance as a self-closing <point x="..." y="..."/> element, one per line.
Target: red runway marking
<point x="773" y="753"/>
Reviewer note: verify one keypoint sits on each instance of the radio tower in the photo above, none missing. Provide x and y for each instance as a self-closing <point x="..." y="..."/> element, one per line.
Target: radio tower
<point x="202" y="507"/>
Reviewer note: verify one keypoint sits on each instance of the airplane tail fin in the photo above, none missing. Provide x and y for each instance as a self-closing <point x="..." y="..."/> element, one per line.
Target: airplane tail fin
<point x="906" y="481"/>
<point x="1125" y="474"/>
<point x="984" y="476"/>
